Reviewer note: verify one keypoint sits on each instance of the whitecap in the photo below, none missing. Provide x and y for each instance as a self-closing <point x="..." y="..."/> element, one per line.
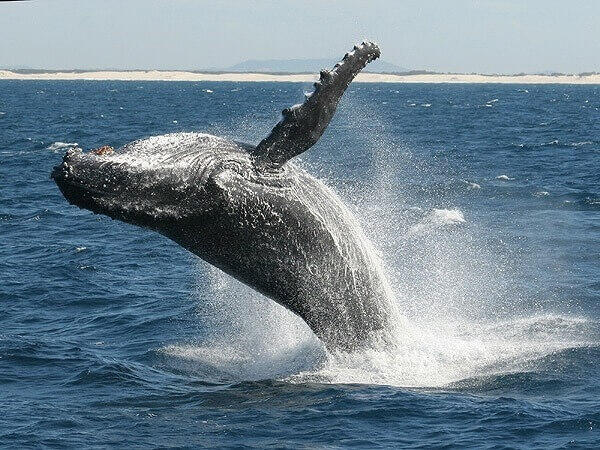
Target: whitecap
<point x="541" y="194"/>
<point x="579" y="144"/>
<point x="492" y="101"/>
<point x="447" y="216"/>
<point x="208" y="91"/>
<point x="471" y="185"/>
<point x="426" y="105"/>
<point x="80" y="249"/>
<point x="438" y="218"/>
<point x="58" y="145"/>
<point x="504" y="178"/>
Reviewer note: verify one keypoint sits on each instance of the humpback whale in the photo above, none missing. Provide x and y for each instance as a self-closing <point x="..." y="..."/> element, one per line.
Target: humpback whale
<point x="251" y="212"/>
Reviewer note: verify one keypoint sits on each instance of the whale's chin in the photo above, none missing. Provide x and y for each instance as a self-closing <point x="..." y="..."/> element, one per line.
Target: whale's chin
<point x="79" y="189"/>
<point x="75" y="194"/>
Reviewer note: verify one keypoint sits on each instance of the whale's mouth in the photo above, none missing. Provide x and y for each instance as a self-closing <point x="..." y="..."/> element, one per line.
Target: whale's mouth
<point x="82" y="178"/>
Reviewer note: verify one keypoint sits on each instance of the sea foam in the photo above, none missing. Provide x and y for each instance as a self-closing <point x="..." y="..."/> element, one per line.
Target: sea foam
<point x="61" y="145"/>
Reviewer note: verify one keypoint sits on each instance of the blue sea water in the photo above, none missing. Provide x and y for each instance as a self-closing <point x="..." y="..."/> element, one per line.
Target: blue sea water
<point x="482" y="200"/>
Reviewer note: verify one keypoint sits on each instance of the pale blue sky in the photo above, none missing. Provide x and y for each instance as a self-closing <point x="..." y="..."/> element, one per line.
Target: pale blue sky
<point x="501" y="36"/>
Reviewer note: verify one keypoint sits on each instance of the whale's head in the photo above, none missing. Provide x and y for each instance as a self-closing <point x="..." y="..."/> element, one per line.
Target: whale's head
<point x="151" y="182"/>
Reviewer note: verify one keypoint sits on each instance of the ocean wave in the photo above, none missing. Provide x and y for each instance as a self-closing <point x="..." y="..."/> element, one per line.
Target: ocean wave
<point x="60" y="145"/>
<point x="471" y="185"/>
<point x="446" y="216"/>
<point x="593" y="201"/>
<point x="112" y="373"/>
<point x="220" y="362"/>
<point x="586" y="200"/>
<point x="551" y="143"/>
<point x="437" y="218"/>
<point x="552" y="369"/>
<point x="444" y="352"/>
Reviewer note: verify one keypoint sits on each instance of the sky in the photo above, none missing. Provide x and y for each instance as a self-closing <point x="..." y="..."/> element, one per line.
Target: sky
<point x="484" y="36"/>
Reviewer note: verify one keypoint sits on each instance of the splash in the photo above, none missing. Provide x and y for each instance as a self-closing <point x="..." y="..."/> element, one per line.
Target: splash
<point x="439" y="353"/>
<point x="457" y="314"/>
<point x="245" y="336"/>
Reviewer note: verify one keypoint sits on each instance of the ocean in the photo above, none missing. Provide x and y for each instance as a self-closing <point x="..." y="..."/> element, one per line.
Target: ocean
<point x="482" y="201"/>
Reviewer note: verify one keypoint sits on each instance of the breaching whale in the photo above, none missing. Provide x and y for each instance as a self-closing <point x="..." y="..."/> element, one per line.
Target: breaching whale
<point x="250" y="212"/>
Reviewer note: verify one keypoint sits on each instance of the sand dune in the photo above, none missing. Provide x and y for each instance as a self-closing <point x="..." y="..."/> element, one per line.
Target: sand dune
<point x="155" y="75"/>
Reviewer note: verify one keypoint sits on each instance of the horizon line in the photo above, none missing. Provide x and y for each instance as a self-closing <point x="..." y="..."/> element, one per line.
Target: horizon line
<point x="40" y="71"/>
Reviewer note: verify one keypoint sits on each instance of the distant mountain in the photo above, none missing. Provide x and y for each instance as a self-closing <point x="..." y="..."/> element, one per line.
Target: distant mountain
<point x="304" y="66"/>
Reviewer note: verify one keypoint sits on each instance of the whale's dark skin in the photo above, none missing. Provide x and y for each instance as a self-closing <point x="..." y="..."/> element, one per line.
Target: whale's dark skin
<point x="250" y="212"/>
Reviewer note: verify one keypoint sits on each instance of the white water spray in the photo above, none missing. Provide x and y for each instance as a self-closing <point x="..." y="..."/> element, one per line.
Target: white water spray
<point x="456" y="314"/>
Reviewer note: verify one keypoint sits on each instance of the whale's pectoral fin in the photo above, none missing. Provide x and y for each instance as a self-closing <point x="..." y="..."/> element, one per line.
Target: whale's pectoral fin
<point x="302" y="125"/>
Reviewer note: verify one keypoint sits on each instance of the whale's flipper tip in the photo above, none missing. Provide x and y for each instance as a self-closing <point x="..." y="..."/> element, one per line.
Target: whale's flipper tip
<point x="302" y="125"/>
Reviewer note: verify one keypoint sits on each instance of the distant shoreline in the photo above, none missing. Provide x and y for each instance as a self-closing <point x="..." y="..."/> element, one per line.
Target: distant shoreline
<point x="156" y="75"/>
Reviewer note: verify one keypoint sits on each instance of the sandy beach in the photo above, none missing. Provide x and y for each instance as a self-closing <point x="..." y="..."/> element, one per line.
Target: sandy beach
<point x="155" y="75"/>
